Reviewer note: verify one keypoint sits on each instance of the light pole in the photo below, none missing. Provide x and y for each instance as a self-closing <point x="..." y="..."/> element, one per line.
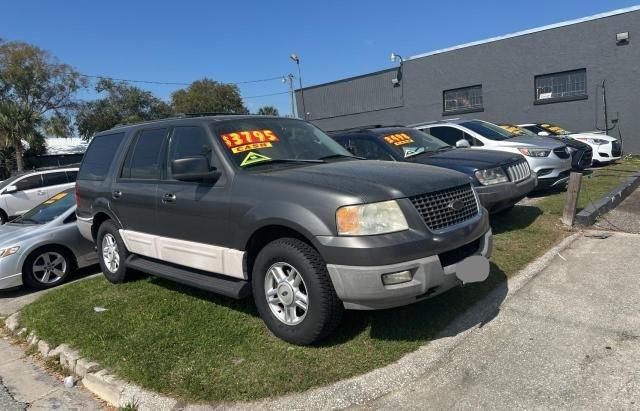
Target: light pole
<point x="289" y="79"/>
<point x="395" y="57"/>
<point x="294" y="57"/>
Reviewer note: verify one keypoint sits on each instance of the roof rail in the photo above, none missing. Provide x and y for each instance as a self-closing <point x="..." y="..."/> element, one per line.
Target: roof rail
<point x="424" y="123"/>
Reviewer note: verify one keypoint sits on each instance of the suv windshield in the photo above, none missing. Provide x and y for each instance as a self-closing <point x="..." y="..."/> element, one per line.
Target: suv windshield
<point x="410" y="142"/>
<point x="276" y="141"/>
<point x="488" y="130"/>
<point x="49" y="210"/>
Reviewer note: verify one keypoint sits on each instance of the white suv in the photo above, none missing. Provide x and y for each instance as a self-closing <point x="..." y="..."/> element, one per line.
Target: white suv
<point x="550" y="159"/>
<point x="19" y="194"/>
<point x="606" y="149"/>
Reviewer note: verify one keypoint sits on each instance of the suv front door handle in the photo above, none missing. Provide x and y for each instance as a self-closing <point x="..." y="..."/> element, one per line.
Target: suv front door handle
<point x="168" y="198"/>
<point x="117" y="194"/>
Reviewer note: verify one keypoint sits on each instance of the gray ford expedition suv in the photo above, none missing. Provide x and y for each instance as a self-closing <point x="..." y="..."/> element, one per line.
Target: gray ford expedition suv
<point x="274" y="207"/>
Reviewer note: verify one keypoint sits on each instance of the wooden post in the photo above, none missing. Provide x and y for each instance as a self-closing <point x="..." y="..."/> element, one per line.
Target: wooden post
<point x="573" y="192"/>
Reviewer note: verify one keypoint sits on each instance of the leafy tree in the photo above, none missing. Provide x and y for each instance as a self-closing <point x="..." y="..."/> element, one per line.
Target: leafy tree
<point x="36" y="93"/>
<point x="208" y="96"/>
<point x="122" y="104"/>
<point x="268" y="111"/>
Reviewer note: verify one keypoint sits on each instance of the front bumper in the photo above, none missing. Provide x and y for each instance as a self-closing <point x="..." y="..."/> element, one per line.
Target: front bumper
<point x="500" y="196"/>
<point x="605" y="153"/>
<point x="361" y="287"/>
<point x="10" y="275"/>
<point x="554" y="182"/>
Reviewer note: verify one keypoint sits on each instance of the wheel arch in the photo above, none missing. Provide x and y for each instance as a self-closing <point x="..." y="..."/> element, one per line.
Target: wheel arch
<point x="38" y="247"/>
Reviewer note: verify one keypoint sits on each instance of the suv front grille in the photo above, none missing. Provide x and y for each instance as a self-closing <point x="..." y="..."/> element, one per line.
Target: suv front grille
<point x="561" y="152"/>
<point x="518" y="171"/>
<point x="616" y="149"/>
<point x="437" y="208"/>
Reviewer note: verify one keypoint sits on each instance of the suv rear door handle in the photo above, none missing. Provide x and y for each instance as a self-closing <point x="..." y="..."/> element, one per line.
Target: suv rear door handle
<point x="168" y="198"/>
<point x="117" y="194"/>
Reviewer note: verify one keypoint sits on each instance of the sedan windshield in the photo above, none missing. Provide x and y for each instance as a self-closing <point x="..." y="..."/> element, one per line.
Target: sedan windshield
<point x="276" y="142"/>
<point x="410" y="142"/>
<point x="559" y="131"/>
<point x="518" y="131"/>
<point x="488" y="130"/>
<point x="49" y="210"/>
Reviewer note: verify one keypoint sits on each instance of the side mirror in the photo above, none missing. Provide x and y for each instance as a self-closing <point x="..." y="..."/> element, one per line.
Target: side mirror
<point x="194" y="169"/>
<point x="10" y="189"/>
<point x="543" y="134"/>
<point x="462" y="144"/>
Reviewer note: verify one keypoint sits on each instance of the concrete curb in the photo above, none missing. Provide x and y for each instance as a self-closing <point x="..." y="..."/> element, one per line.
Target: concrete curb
<point x="342" y="394"/>
<point x="590" y="213"/>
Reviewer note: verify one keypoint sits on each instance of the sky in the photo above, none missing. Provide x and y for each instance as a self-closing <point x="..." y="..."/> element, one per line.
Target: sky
<point x="237" y="41"/>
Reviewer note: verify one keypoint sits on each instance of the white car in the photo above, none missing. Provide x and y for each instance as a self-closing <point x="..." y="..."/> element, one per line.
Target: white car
<point x="550" y="159"/>
<point x="606" y="149"/>
<point x="19" y="194"/>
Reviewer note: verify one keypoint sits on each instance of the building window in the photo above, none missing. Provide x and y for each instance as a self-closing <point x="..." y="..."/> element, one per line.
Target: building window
<point x="565" y="86"/>
<point x="462" y="100"/>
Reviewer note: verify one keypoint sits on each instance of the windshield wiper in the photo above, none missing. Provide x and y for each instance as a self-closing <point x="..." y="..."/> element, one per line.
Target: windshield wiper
<point x="284" y="160"/>
<point x="340" y="156"/>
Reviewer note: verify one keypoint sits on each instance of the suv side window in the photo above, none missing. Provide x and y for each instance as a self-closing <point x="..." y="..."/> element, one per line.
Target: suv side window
<point x="29" y="183"/>
<point x="99" y="156"/>
<point x="472" y="140"/>
<point x="369" y="149"/>
<point x="54" y="179"/>
<point x="143" y="160"/>
<point x="449" y="135"/>
<point x="190" y="141"/>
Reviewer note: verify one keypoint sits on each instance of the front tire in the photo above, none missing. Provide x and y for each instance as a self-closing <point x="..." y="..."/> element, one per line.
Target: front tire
<point x="112" y="253"/>
<point x="47" y="267"/>
<point x="293" y="292"/>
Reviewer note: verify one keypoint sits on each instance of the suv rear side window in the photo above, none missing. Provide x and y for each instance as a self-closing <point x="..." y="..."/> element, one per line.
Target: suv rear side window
<point x="29" y="183"/>
<point x="143" y="159"/>
<point x="99" y="156"/>
<point x="54" y="179"/>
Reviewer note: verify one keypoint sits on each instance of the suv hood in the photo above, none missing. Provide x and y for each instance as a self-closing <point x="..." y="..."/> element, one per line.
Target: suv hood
<point x="371" y="180"/>
<point x="478" y="159"/>
<point x="530" y="141"/>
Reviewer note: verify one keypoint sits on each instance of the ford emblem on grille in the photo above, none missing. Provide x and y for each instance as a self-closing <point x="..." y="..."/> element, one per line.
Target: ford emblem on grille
<point x="456" y="205"/>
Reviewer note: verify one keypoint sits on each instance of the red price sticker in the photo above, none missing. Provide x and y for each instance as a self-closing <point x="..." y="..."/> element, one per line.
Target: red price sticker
<point x="240" y="141"/>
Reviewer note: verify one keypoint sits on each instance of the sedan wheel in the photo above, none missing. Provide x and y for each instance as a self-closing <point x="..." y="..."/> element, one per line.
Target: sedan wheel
<point x="49" y="267"/>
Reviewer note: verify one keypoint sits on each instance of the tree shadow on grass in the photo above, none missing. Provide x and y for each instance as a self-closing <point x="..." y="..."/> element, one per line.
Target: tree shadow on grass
<point x="519" y="217"/>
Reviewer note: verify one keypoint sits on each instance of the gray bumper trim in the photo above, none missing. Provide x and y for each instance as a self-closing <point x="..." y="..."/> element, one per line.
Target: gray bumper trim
<point x="361" y="288"/>
<point x="84" y="226"/>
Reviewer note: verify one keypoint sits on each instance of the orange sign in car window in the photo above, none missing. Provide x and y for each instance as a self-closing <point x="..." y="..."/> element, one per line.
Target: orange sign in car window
<point x="241" y="141"/>
<point x="55" y="198"/>
<point x="511" y="129"/>
<point x="398" y="139"/>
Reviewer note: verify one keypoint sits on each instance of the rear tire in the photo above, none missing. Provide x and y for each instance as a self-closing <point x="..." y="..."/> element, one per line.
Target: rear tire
<point x="47" y="267"/>
<point x="112" y="253"/>
<point x="293" y="292"/>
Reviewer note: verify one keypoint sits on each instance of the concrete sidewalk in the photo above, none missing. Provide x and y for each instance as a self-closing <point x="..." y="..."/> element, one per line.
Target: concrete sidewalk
<point x="570" y="338"/>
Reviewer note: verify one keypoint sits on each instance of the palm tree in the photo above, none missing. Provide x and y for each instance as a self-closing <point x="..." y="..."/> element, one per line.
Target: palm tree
<point x="268" y="111"/>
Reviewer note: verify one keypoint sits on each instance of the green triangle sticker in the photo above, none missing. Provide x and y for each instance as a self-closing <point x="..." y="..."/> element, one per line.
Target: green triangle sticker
<point x="252" y="158"/>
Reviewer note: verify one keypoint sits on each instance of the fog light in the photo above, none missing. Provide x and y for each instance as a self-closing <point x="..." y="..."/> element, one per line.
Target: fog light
<point x="396" y="278"/>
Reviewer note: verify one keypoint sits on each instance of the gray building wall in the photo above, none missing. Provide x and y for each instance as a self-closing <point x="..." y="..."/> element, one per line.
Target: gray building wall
<point x="506" y="69"/>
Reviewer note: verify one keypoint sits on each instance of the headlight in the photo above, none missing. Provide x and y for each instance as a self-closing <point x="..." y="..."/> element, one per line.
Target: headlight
<point x="491" y="176"/>
<point x="6" y="252"/>
<point x="535" y="152"/>
<point x="596" y="141"/>
<point x="371" y="219"/>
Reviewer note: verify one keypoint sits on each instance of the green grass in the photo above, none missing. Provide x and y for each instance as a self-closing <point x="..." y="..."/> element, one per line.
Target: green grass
<point x="201" y="347"/>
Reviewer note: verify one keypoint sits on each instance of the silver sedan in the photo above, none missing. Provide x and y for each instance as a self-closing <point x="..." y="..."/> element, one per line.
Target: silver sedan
<point x="42" y="248"/>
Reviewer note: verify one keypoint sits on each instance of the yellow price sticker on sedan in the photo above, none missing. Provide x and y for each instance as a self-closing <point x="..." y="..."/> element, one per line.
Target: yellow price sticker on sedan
<point x="399" y="139"/>
<point x="55" y="198"/>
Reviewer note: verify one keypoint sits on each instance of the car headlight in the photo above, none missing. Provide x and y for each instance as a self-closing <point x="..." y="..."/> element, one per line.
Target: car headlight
<point x="491" y="176"/>
<point x="596" y="141"/>
<point x="371" y="219"/>
<point x="6" y="252"/>
<point x="535" y="152"/>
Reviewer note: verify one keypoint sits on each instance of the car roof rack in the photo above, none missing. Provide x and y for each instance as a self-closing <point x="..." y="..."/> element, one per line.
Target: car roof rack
<point x="181" y="115"/>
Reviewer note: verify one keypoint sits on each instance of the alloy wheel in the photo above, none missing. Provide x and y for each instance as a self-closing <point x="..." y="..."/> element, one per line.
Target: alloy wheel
<point x="286" y="293"/>
<point x="110" y="254"/>
<point x="49" y="267"/>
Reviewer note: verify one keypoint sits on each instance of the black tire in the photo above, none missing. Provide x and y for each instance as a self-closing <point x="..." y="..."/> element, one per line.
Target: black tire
<point x="324" y="309"/>
<point x="119" y="275"/>
<point x="32" y="279"/>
